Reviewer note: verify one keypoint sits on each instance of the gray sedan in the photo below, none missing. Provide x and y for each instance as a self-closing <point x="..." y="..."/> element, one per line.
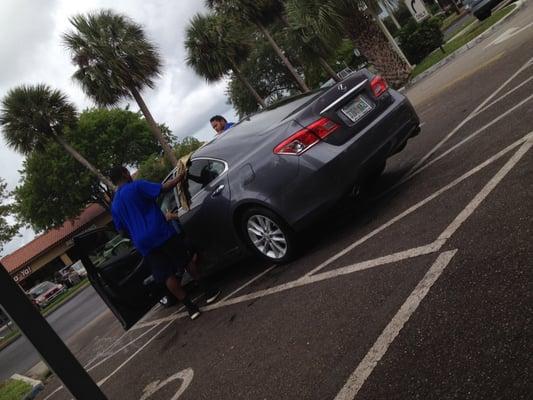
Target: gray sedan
<point x="254" y="187"/>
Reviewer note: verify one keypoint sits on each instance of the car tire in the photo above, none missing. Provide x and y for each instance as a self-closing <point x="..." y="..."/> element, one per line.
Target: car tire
<point x="267" y="235"/>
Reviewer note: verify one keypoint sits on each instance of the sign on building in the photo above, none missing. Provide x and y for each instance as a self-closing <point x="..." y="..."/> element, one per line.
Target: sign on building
<point x="22" y="274"/>
<point x="417" y="9"/>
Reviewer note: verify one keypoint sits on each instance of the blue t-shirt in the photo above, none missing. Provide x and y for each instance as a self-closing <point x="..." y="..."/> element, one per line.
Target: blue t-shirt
<point x="228" y="125"/>
<point x="135" y="210"/>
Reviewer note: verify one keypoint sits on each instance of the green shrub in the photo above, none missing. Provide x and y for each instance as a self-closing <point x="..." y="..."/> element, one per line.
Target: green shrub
<point x="419" y="40"/>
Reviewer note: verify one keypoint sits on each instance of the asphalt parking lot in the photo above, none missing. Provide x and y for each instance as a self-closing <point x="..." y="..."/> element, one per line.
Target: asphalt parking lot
<point x="421" y="289"/>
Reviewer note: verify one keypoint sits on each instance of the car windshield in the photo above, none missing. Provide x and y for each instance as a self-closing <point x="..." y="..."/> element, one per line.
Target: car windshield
<point x="40" y="289"/>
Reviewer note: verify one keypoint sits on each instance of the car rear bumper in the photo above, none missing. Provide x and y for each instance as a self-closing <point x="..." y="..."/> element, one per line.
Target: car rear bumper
<point x="327" y="172"/>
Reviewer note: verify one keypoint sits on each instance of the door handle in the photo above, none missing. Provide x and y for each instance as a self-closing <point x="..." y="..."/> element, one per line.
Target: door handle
<point x="217" y="191"/>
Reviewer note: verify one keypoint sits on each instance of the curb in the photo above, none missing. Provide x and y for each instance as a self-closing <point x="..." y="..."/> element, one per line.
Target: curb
<point x="518" y="5"/>
<point x="36" y="386"/>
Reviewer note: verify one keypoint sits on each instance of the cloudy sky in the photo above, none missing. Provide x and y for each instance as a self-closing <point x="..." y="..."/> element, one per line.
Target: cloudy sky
<point x="31" y="52"/>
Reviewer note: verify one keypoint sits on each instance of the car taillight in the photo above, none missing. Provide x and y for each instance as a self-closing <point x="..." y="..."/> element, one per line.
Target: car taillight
<point x="305" y="138"/>
<point x="378" y="85"/>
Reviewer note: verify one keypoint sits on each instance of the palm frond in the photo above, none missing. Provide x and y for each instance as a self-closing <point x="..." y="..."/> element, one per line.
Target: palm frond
<point x="31" y="114"/>
<point x="112" y="54"/>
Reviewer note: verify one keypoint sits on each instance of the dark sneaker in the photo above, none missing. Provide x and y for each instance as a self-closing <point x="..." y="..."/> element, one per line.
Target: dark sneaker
<point x="211" y="295"/>
<point x="194" y="311"/>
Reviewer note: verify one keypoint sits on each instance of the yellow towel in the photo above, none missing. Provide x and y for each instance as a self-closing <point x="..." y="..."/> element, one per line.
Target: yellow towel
<point x="183" y="187"/>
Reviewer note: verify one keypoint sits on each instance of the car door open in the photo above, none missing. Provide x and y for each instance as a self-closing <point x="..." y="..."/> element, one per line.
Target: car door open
<point x="118" y="273"/>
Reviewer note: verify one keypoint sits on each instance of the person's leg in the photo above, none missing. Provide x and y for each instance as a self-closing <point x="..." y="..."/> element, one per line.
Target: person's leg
<point x="211" y="293"/>
<point x="174" y="286"/>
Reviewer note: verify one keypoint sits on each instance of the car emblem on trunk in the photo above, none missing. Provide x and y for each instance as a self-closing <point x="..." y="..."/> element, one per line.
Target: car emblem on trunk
<point x="342" y="87"/>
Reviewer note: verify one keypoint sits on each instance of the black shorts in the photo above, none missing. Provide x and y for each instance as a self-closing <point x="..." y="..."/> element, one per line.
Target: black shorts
<point x="169" y="259"/>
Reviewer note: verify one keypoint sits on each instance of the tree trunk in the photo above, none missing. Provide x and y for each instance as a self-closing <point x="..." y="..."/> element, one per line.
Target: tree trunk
<point x="154" y="128"/>
<point x="78" y="157"/>
<point x="374" y="45"/>
<point x="328" y="69"/>
<point x="243" y="79"/>
<point x="284" y="59"/>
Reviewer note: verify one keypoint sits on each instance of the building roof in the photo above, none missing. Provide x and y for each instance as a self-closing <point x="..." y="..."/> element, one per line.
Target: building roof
<point x="27" y="253"/>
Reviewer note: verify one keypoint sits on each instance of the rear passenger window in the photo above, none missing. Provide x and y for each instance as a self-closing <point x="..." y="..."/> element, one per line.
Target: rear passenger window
<point x="202" y="172"/>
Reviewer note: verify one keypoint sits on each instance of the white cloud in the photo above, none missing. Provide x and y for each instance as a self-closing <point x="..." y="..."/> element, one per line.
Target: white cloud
<point x="31" y="52"/>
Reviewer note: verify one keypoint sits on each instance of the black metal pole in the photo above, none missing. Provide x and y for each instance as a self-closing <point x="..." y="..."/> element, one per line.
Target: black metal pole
<point x="46" y="341"/>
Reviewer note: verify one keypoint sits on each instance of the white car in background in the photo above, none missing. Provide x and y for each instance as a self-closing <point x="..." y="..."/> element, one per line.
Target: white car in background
<point x="45" y="292"/>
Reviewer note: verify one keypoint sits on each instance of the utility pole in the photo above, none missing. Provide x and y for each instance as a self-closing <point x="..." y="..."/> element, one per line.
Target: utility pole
<point x="45" y="340"/>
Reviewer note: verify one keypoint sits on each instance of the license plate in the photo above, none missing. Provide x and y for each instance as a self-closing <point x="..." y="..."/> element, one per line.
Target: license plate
<point x="357" y="109"/>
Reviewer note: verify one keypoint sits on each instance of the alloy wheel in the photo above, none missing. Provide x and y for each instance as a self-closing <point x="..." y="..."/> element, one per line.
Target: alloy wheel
<point x="267" y="236"/>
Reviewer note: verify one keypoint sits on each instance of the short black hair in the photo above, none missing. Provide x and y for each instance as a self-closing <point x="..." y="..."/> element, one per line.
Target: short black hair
<point x="217" y="118"/>
<point x="117" y="174"/>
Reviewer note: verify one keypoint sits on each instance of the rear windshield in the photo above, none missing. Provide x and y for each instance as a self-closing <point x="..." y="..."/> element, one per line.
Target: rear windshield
<point x="274" y="114"/>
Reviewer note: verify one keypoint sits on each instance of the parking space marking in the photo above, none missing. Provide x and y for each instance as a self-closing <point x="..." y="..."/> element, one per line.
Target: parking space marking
<point x="421" y="203"/>
<point x="457" y="145"/>
<point x="185" y="376"/>
<point x="89" y="365"/>
<point x="504" y="96"/>
<point x="391" y="331"/>
<point x="526" y="65"/>
<point x="489" y="187"/>
<point x="509" y="33"/>
<point x="266" y="271"/>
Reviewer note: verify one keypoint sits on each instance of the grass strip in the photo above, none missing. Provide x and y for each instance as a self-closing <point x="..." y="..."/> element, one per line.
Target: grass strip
<point x="460" y="41"/>
<point x="13" y="389"/>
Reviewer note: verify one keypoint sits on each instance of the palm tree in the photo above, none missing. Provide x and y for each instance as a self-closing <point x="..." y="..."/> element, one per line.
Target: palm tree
<point x="214" y="49"/>
<point x="310" y="40"/>
<point x="260" y="13"/>
<point x="353" y="19"/>
<point x="115" y="61"/>
<point x="33" y="115"/>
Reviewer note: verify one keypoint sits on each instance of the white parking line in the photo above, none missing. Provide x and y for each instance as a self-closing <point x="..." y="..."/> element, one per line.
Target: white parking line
<point x="489" y="187"/>
<point x="380" y="347"/>
<point x="249" y="282"/>
<point x="391" y="331"/>
<point x="469" y="117"/>
<point x="454" y="147"/>
<point x="525" y="82"/>
<point x="420" y="204"/>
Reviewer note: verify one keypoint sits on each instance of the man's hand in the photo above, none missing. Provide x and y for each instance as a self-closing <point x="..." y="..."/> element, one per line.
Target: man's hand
<point x="171" y="183"/>
<point x="171" y="216"/>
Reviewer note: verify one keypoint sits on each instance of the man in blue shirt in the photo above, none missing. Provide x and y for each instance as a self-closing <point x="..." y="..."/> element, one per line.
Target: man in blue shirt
<point x="219" y="124"/>
<point x="137" y="215"/>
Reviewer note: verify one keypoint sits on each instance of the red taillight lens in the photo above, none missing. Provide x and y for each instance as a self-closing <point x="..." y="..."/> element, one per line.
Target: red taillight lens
<point x="304" y="139"/>
<point x="323" y="127"/>
<point x="378" y="85"/>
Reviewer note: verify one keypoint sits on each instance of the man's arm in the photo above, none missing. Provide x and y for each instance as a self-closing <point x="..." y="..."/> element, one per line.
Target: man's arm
<point x="171" y="183"/>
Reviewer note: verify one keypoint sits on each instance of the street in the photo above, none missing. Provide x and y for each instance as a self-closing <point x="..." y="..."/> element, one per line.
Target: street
<point x="67" y="320"/>
<point x="419" y="290"/>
